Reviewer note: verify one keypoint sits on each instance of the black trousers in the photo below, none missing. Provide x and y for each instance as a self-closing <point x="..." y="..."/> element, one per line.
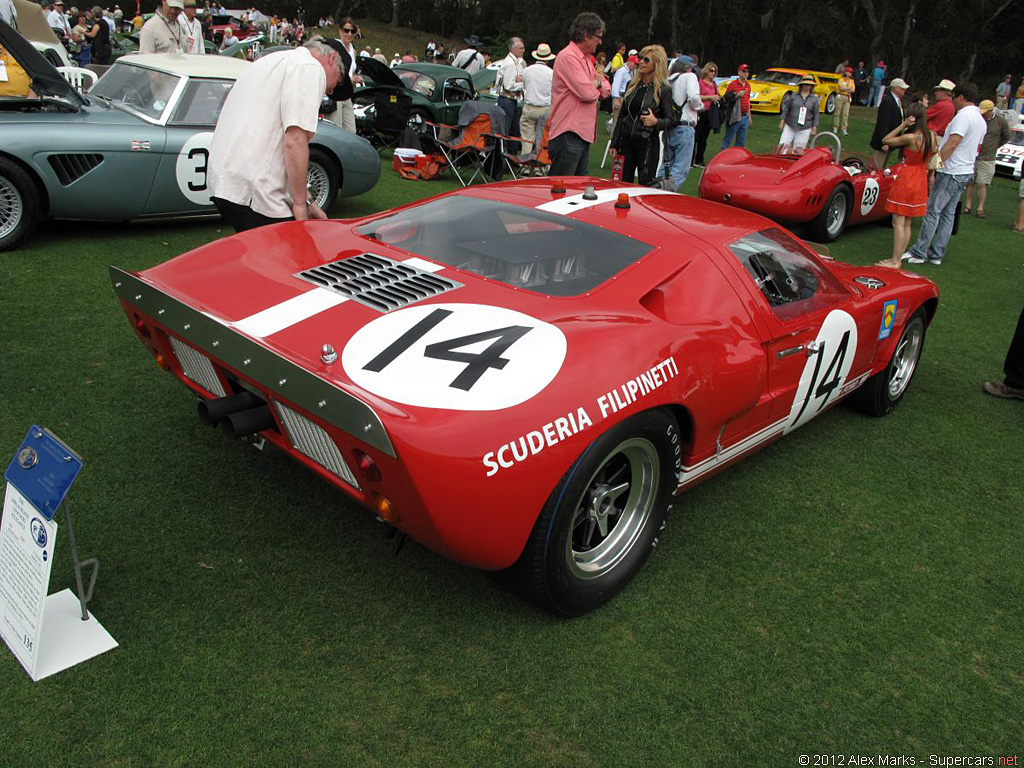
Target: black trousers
<point x="701" y="138"/>
<point x="242" y="217"/>
<point x="639" y="157"/>
<point x="1014" y="365"/>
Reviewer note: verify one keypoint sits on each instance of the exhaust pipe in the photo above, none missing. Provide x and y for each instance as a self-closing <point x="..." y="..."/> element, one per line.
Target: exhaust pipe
<point x="244" y="423"/>
<point x="213" y="412"/>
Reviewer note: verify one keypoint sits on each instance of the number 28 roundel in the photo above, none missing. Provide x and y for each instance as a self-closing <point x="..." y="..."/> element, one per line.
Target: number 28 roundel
<point x="465" y="357"/>
<point x="826" y="371"/>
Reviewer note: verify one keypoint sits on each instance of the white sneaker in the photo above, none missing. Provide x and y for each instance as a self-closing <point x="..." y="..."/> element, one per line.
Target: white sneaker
<point x="915" y="259"/>
<point x="907" y="256"/>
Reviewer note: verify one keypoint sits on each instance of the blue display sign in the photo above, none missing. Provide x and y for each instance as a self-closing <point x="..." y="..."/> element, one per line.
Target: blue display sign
<point x="43" y="470"/>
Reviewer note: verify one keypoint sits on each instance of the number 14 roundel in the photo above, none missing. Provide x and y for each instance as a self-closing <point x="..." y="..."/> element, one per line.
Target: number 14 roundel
<point x="826" y="371"/>
<point x="466" y="357"/>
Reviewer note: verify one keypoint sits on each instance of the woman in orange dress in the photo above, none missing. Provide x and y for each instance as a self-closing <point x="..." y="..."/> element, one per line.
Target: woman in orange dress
<point x="908" y="198"/>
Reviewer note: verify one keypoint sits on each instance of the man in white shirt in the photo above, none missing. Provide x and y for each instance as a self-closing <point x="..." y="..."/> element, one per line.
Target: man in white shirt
<point x="162" y="33"/>
<point x="957" y="150"/>
<point x="679" y="140"/>
<point x="57" y="20"/>
<point x="509" y="85"/>
<point x="191" y="29"/>
<point x="470" y="59"/>
<point x="619" y="82"/>
<point x="536" y="95"/>
<point x="259" y="155"/>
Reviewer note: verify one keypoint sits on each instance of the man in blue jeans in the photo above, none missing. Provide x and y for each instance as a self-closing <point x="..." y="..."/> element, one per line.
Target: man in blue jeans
<point x="958" y="149"/>
<point x="679" y="139"/>
<point x="737" y="131"/>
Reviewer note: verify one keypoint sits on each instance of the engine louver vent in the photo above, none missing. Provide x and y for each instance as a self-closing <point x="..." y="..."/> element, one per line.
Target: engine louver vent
<point x="378" y="282"/>
<point x="71" y="167"/>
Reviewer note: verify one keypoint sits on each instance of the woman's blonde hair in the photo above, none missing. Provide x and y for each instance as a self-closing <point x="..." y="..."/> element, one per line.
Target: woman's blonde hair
<point x="659" y="58"/>
<point x="707" y="69"/>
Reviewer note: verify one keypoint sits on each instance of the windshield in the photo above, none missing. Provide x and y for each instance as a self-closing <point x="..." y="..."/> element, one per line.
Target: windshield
<point x="522" y="247"/>
<point x="136" y="89"/>
<point x="785" y="78"/>
<point x="1017" y="137"/>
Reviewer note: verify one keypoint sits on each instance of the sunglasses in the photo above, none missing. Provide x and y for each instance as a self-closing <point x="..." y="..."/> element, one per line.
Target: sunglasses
<point x="348" y="30"/>
<point x="646" y="59"/>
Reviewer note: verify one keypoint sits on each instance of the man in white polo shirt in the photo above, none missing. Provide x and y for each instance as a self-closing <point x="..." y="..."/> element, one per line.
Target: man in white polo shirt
<point x="259" y="155"/>
<point x="958" y="149"/>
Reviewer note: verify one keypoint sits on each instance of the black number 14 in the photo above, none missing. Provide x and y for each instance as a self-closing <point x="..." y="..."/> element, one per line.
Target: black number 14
<point x="830" y="379"/>
<point x="477" y="363"/>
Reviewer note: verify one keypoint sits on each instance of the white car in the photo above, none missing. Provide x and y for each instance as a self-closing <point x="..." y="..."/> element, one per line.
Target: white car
<point x="1010" y="156"/>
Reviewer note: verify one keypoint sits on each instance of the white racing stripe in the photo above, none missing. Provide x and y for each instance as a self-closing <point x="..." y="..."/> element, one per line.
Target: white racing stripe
<point x="689" y="474"/>
<point x="302" y="307"/>
<point x="574" y="203"/>
<point x="287" y="313"/>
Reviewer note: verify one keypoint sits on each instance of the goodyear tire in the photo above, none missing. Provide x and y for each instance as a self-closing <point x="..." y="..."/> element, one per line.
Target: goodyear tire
<point x="883" y="391"/>
<point x="323" y="178"/>
<point x="603" y="518"/>
<point x="831" y="222"/>
<point x="19" y="205"/>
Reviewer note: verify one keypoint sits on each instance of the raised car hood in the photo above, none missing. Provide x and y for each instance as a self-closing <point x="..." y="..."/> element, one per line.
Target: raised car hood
<point x="46" y="80"/>
<point x="380" y="73"/>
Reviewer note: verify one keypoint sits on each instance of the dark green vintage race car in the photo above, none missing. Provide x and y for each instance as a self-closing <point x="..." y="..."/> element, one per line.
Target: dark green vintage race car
<point x="136" y="145"/>
<point x="437" y="91"/>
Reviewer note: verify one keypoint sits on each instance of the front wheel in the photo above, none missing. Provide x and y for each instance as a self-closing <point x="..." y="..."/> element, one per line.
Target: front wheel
<point x="883" y="391"/>
<point x="830" y="103"/>
<point x="322" y="179"/>
<point x="19" y="205"/>
<point x="830" y="223"/>
<point x="603" y="518"/>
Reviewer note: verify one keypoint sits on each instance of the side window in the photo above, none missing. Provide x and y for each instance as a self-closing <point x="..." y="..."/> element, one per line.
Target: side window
<point x="457" y="89"/>
<point x="201" y="103"/>
<point x="789" y="276"/>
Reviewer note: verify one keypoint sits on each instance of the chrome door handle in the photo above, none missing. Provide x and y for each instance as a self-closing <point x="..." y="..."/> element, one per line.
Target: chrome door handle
<point x="813" y="348"/>
<point x="790" y="351"/>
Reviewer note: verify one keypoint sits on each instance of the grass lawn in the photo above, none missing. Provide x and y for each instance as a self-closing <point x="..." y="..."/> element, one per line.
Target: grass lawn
<point x="855" y="588"/>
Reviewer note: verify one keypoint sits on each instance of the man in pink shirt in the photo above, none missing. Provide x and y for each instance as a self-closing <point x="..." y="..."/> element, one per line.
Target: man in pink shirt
<point x="576" y="88"/>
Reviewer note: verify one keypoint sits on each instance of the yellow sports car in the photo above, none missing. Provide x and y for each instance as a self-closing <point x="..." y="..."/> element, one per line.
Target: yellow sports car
<point x="769" y="88"/>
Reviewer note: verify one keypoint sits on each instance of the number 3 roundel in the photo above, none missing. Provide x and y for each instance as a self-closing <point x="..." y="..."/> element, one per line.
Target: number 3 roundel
<point x="465" y="357"/>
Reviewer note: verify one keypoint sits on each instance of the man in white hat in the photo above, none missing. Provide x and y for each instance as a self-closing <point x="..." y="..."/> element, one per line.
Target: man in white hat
<point x="890" y="115"/>
<point x="57" y="20"/>
<point x="192" y="29"/>
<point x="536" y="95"/>
<point x="162" y="33"/>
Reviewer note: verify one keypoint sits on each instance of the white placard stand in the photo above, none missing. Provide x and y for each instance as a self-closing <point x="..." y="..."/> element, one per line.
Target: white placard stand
<point x="46" y="634"/>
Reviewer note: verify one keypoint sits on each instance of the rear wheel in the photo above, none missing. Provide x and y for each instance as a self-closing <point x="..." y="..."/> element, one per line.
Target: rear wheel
<point x="19" y="205"/>
<point x="830" y="223"/>
<point x="322" y="179"/>
<point x="603" y="518"/>
<point x="883" y="391"/>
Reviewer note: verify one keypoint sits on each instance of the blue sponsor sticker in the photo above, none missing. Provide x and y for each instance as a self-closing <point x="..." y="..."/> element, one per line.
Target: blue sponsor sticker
<point x="888" y="319"/>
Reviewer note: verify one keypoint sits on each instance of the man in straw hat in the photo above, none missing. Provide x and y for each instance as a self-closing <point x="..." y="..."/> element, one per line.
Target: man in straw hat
<point x="997" y="134"/>
<point x="536" y="94"/>
<point x="941" y="110"/>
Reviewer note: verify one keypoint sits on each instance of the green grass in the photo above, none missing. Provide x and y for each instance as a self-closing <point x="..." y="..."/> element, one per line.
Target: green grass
<point x="855" y="588"/>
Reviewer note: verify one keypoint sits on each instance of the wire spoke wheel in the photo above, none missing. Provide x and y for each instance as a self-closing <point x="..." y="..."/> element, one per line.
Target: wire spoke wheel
<point x="614" y="508"/>
<point x="319" y="184"/>
<point x="12" y="208"/>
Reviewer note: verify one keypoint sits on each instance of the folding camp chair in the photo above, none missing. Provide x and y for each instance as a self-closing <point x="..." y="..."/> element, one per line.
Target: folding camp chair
<point x="391" y="116"/>
<point x="535" y="162"/>
<point x="476" y="145"/>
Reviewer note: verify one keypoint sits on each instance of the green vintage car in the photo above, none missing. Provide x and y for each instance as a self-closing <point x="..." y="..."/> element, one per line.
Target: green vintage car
<point x="437" y="91"/>
<point x="136" y="145"/>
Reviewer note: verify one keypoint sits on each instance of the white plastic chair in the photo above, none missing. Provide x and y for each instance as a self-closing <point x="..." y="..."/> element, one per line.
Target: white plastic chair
<point x="81" y="79"/>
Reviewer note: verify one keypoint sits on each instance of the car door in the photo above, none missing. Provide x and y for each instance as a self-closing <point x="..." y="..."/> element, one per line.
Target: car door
<point x="457" y="90"/>
<point x="181" y="183"/>
<point x="816" y="347"/>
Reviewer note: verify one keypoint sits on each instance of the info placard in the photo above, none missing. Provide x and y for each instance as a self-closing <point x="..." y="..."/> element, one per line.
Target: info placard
<point x="27" y="541"/>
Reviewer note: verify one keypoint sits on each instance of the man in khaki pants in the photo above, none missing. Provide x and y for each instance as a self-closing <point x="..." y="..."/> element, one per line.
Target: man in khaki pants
<point x="846" y="90"/>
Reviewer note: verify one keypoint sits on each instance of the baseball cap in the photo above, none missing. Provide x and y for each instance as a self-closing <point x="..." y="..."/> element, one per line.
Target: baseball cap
<point x="741" y="67"/>
<point x="986" y="106"/>
<point x="898" y="82"/>
<point x="176" y="4"/>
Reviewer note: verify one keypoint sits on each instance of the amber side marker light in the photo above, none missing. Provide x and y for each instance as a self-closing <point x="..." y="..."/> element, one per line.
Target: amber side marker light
<point x="386" y="511"/>
<point x="161" y="362"/>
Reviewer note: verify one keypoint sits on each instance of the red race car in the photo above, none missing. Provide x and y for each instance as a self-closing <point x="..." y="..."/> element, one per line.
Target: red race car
<point x="522" y="376"/>
<point x="816" y="188"/>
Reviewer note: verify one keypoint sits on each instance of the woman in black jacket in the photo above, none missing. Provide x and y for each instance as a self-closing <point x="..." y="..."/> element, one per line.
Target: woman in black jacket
<point x="646" y="112"/>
